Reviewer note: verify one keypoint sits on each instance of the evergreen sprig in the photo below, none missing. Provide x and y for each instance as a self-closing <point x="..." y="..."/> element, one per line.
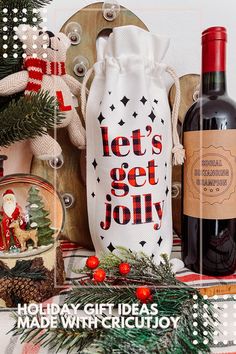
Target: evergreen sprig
<point x="143" y="268"/>
<point x="172" y="299"/>
<point x="29" y="117"/>
<point x="22" y="269"/>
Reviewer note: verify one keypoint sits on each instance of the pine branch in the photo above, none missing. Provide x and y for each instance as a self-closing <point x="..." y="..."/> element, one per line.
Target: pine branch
<point x="22" y="269"/>
<point x="143" y="269"/>
<point x="38" y="113"/>
<point x="174" y="299"/>
<point x="40" y="3"/>
<point x="58" y="339"/>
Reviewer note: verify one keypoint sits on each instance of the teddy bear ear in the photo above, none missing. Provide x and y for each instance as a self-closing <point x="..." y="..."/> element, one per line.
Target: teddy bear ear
<point x="22" y="30"/>
<point x="65" y="40"/>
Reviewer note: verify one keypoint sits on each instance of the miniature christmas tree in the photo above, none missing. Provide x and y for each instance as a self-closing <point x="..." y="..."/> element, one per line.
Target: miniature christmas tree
<point x="38" y="217"/>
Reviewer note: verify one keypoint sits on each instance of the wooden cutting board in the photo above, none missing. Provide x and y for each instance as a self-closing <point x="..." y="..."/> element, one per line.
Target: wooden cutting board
<point x="71" y="177"/>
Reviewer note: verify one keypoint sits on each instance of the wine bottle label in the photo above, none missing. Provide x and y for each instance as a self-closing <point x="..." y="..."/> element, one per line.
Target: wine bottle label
<point x="210" y="174"/>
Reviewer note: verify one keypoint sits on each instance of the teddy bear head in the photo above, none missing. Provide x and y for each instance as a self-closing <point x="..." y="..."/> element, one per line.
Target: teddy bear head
<point x="43" y="44"/>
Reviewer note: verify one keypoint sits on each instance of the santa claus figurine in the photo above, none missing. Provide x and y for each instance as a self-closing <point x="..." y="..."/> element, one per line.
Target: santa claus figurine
<point x="10" y="211"/>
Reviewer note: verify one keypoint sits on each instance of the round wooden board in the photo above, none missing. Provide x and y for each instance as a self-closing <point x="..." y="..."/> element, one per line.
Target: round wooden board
<point x="68" y="179"/>
<point x="188" y="85"/>
<point x="93" y="24"/>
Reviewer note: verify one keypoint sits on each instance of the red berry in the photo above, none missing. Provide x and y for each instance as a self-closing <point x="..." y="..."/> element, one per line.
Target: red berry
<point x="124" y="268"/>
<point x="92" y="262"/>
<point x="99" y="275"/>
<point x="143" y="293"/>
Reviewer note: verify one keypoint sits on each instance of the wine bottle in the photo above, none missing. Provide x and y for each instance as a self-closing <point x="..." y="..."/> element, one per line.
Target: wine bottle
<point x="209" y="172"/>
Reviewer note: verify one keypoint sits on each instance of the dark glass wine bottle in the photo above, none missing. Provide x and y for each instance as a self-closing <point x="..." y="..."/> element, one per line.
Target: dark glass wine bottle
<point x="209" y="172"/>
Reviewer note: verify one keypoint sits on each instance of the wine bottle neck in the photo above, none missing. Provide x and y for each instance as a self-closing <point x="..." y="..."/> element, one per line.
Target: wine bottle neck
<point x="214" y="64"/>
<point x="214" y="83"/>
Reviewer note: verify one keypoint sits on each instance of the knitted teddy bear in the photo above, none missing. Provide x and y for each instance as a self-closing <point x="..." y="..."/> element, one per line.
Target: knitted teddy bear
<point x="44" y="69"/>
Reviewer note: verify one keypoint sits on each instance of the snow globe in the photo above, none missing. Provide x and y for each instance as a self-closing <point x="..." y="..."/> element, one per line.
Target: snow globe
<point x="31" y="219"/>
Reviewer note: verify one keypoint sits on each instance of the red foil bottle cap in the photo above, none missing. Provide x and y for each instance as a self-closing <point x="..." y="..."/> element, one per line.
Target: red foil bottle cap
<point x="214" y="34"/>
<point x="213" y="49"/>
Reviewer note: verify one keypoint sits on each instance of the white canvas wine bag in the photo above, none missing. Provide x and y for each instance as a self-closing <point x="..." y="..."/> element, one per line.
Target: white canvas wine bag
<point x="130" y="145"/>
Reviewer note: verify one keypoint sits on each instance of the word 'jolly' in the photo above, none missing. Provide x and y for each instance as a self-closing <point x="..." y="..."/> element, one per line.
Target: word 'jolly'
<point x="122" y="215"/>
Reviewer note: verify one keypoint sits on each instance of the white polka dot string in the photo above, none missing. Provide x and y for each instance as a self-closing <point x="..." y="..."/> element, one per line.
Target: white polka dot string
<point x="5" y="55"/>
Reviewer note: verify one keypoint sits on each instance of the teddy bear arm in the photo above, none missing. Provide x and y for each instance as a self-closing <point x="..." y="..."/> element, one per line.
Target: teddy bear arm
<point x="73" y="84"/>
<point x="13" y="83"/>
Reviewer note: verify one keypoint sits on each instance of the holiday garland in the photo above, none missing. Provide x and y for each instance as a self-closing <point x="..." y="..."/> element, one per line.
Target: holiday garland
<point x="28" y="117"/>
<point x="130" y="278"/>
